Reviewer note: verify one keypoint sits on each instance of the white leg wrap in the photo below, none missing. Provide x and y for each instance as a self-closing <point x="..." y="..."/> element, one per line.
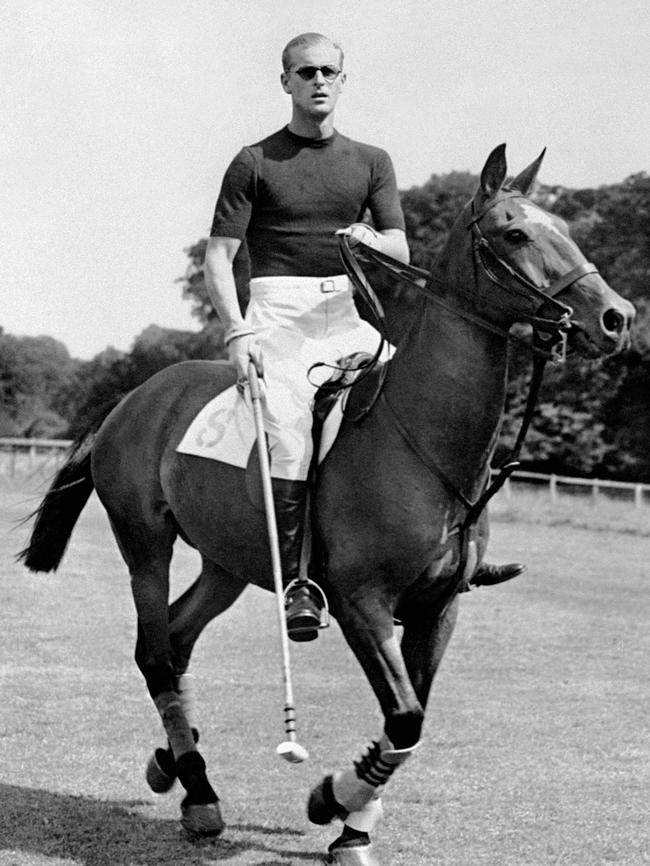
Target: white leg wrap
<point x="365" y="820"/>
<point x="187" y="693"/>
<point x="173" y="718"/>
<point x="352" y="792"/>
<point x="358" y="789"/>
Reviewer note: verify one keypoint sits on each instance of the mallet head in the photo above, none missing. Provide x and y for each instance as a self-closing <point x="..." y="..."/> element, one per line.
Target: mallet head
<point x="292" y="752"/>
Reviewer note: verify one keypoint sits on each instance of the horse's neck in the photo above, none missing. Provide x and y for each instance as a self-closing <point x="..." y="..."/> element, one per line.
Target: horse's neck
<point x="447" y="381"/>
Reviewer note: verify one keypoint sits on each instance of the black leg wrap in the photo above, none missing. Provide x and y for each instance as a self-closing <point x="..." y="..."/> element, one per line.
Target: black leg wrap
<point x="372" y="769"/>
<point x="323" y="807"/>
<point x="350" y="838"/>
<point x="191" y="773"/>
<point x="166" y="762"/>
<point x="404" y="730"/>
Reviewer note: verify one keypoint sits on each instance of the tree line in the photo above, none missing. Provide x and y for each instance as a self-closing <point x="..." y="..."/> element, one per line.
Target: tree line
<point x="592" y="419"/>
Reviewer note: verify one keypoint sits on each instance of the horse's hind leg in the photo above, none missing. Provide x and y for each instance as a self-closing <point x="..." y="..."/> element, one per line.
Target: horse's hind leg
<point x="146" y="546"/>
<point x="213" y="592"/>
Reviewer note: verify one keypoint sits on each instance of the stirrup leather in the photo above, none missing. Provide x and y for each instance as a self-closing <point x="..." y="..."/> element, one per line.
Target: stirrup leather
<point x="315" y="589"/>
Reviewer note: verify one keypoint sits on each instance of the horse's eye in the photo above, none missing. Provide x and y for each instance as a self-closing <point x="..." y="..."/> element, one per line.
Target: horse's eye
<point x="516" y="236"/>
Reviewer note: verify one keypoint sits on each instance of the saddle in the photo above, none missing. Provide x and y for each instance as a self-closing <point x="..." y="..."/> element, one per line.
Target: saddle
<point x="355" y="385"/>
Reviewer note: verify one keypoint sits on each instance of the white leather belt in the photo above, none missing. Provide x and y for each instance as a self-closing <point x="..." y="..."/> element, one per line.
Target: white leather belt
<point x="324" y="285"/>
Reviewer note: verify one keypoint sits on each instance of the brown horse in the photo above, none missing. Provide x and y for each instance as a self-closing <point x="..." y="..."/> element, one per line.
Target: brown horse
<point x="389" y="502"/>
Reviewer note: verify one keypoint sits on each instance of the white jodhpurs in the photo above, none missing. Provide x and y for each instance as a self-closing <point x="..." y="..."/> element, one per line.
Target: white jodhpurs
<point x="298" y="322"/>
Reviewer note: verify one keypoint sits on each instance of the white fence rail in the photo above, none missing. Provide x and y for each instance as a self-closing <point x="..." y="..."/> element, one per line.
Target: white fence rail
<point x="30" y="454"/>
<point x="14" y="451"/>
<point x="638" y="492"/>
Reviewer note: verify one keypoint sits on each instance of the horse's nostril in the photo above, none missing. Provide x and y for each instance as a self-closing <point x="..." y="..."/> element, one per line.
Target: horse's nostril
<point x="613" y="321"/>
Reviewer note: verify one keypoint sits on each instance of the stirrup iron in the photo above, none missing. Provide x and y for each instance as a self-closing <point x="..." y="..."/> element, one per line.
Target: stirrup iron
<point x="315" y="589"/>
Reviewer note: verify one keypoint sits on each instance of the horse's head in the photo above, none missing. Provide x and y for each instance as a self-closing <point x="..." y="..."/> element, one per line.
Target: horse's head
<point x="527" y="267"/>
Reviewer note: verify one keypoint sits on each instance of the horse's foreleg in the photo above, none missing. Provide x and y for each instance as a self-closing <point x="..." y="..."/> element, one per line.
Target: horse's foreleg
<point x="354" y="794"/>
<point x="425" y="639"/>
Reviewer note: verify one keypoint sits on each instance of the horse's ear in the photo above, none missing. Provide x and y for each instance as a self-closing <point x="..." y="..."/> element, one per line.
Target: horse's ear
<point x="494" y="171"/>
<point x="524" y="181"/>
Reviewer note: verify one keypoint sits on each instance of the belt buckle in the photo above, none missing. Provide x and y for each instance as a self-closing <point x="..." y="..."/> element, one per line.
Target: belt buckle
<point x="327" y="286"/>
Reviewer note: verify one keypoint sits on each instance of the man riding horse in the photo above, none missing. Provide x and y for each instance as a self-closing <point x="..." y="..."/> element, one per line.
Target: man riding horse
<point x="288" y="196"/>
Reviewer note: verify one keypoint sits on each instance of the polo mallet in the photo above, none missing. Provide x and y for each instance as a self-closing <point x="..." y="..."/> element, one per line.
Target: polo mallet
<point x="290" y="749"/>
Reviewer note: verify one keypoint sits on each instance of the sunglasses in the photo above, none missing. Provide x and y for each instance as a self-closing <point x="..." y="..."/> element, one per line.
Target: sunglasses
<point x="330" y="73"/>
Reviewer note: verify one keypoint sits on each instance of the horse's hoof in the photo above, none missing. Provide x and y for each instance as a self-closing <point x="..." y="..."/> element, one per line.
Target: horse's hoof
<point x="202" y="819"/>
<point x="360" y="855"/>
<point x="322" y="808"/>
<point x="161" y="771"/>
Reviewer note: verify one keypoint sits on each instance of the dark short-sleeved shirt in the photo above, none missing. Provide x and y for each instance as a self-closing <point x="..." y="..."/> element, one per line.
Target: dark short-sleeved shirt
<point x="288" y="195"/>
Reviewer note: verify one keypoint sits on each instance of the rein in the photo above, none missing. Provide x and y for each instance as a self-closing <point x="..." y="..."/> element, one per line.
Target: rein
<point x="421" y="280"/>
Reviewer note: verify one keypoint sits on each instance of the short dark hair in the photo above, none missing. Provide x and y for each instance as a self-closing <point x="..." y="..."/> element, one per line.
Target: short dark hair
<point x="307" y="39"/>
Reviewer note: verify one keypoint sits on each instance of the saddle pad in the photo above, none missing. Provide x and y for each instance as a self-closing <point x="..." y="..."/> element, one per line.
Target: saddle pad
<point x="224" y="430"/>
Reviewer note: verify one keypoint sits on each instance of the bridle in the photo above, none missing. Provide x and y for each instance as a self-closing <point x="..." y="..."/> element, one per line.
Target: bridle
<point x="481" y="248"/>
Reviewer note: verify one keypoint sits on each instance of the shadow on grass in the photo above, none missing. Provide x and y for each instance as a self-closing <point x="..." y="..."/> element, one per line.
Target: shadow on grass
<point x="102" y="833"/>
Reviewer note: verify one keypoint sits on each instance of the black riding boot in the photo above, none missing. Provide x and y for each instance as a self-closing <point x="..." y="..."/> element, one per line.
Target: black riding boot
<point x="303" y="602"/>
<point x="489" y="575"/>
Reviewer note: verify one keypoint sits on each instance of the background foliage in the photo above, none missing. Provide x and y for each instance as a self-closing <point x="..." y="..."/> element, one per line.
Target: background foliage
<point x="593" y="418"/>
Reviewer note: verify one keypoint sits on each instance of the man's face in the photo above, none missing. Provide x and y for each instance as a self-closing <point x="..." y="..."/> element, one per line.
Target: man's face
<point x="316" y="97"/>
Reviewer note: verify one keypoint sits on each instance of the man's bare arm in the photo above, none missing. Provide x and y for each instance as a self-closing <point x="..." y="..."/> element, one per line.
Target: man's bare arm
<point x="222" y="291"/>
<point x="220" y="280"/>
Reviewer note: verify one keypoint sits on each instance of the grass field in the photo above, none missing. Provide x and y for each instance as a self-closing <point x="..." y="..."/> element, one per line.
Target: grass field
<point x="535" y="747"/>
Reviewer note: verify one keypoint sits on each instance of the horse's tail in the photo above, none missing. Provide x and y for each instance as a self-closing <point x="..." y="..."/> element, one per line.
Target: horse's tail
<point x="59" y="511"/>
